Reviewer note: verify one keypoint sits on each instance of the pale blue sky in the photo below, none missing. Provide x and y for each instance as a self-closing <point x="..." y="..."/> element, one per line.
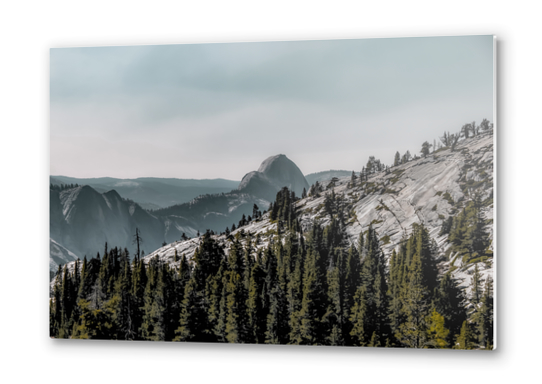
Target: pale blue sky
<point x="218" y="110"/>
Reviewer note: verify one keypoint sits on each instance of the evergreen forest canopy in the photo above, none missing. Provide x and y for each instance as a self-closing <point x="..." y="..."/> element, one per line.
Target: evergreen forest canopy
<point x="293" y="287"/>
<point x="313" y="291"/>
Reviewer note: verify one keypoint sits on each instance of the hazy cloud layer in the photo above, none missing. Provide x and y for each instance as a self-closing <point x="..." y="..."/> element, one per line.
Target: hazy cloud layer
<point x="218" y="110"/>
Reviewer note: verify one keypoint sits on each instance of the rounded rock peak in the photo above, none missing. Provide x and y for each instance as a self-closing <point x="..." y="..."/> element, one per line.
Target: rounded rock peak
<point x="277" y="161"/>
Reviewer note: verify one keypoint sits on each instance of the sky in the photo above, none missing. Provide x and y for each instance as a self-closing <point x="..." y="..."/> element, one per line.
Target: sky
<point x="207" y="111"/>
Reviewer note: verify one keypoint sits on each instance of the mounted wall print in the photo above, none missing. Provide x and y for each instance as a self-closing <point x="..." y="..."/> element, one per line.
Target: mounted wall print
<point x="327" y="193"/>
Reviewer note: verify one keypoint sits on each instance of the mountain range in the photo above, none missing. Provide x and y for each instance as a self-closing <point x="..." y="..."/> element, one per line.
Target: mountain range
<point x="150" y="192"/>
<point x="430" y="190"/>
<point x="84" y="218"/>
<point x="397" y="256"/>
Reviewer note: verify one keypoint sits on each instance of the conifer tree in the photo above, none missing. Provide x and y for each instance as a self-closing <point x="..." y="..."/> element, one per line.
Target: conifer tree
<point x="277" y="318"/>
<point x="85" y="285"/>
<point x="236" y="318"/>
<point x="412" y="333"/>
<point x="465" y="338"/>
<point x="437" y="333"/>
<point x="123" y="309"/>
<point x="425" y="148"/>
<point x="370" y="311"/>
<point x="194" y="319"/>
<point x="335" y="310"/>
<point x="397" y="160"/>
<point x="484" y="320"/>
<point x="351" y="283"/>
<point x="312" y="303"/>
<point x="395" y="291"/>
<point x="353" y="179"/>
<point x="295" y="296"/>
<point x="256" y="312"/>
<point x="476" y="284"/>
<point x="217" y="302"/>
<point x="450" y="303"/>
<point x="139" y="282"/>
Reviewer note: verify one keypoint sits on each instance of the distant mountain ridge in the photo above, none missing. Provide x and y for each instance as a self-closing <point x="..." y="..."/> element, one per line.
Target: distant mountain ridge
<point x="153" y="192"/>
<point x="82" y="219"/>
<point x="326" y="175"/>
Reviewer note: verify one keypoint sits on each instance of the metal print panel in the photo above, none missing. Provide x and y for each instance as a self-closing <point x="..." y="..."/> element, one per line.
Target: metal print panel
<point x="307" y="193"/>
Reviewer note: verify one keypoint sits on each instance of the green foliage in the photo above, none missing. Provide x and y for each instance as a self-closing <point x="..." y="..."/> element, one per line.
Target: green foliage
<point x="385" y="239"/>
<point x="397" y="159"/>
<point x="468" y="234"/>
<point x="437" y="334"/>
<point x="446" y="196"/>
<point x="283" y="210"/>
<point x="465" y="338"/>
<point x="425" y="148"/>
<point x="311" y="288"/>
<point x="370" y="311"/>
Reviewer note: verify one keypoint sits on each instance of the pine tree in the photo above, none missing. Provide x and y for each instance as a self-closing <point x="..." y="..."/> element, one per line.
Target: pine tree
<point x="236" y="318"/>
<point x="412" y="333"/>
<point x="406" y="157"/>
<point x="194" y="319"/>
<point x="256" y="312"/>
<point x="465" y="338"/>
<point x="395" y="291"/>
<point x="277" y="317"/>
<point x="139" y="282"/>
<point x="217" y="302"/>
<point x="351" y="284"/>
<point x="465" y="130"/>
<point x="311" y="306"/>
<point x="335" y="310"/>
<point x="437" y="334"/>
<point x="425" y="148"/>
<point x="123" y="308"/>
<point x="370" y="311"/>
<point x="450" y="303"/>
<point x="353" y="179"/>
<point x="397" y="160"/>
<point x="485" y="317"/>
<point x="86" y="281"/>
<point x="476" y="284"/>
<point x="295" y="297"/>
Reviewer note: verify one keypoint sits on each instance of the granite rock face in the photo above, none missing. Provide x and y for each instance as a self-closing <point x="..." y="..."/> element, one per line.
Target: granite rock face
<point x="427" y="190"/>
<point x="274" y="173"/>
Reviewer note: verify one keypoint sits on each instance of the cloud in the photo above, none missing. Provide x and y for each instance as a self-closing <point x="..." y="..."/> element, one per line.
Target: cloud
<point x="217" y="110"/>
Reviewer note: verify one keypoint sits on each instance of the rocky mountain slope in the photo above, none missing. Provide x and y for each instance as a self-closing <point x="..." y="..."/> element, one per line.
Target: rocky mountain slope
<point x="425" y="191"/>
<point x="59" y="255"/>
<point x="274" y="173"/>
<point x="83" y="219"/>
<point x="216" y="212"/>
